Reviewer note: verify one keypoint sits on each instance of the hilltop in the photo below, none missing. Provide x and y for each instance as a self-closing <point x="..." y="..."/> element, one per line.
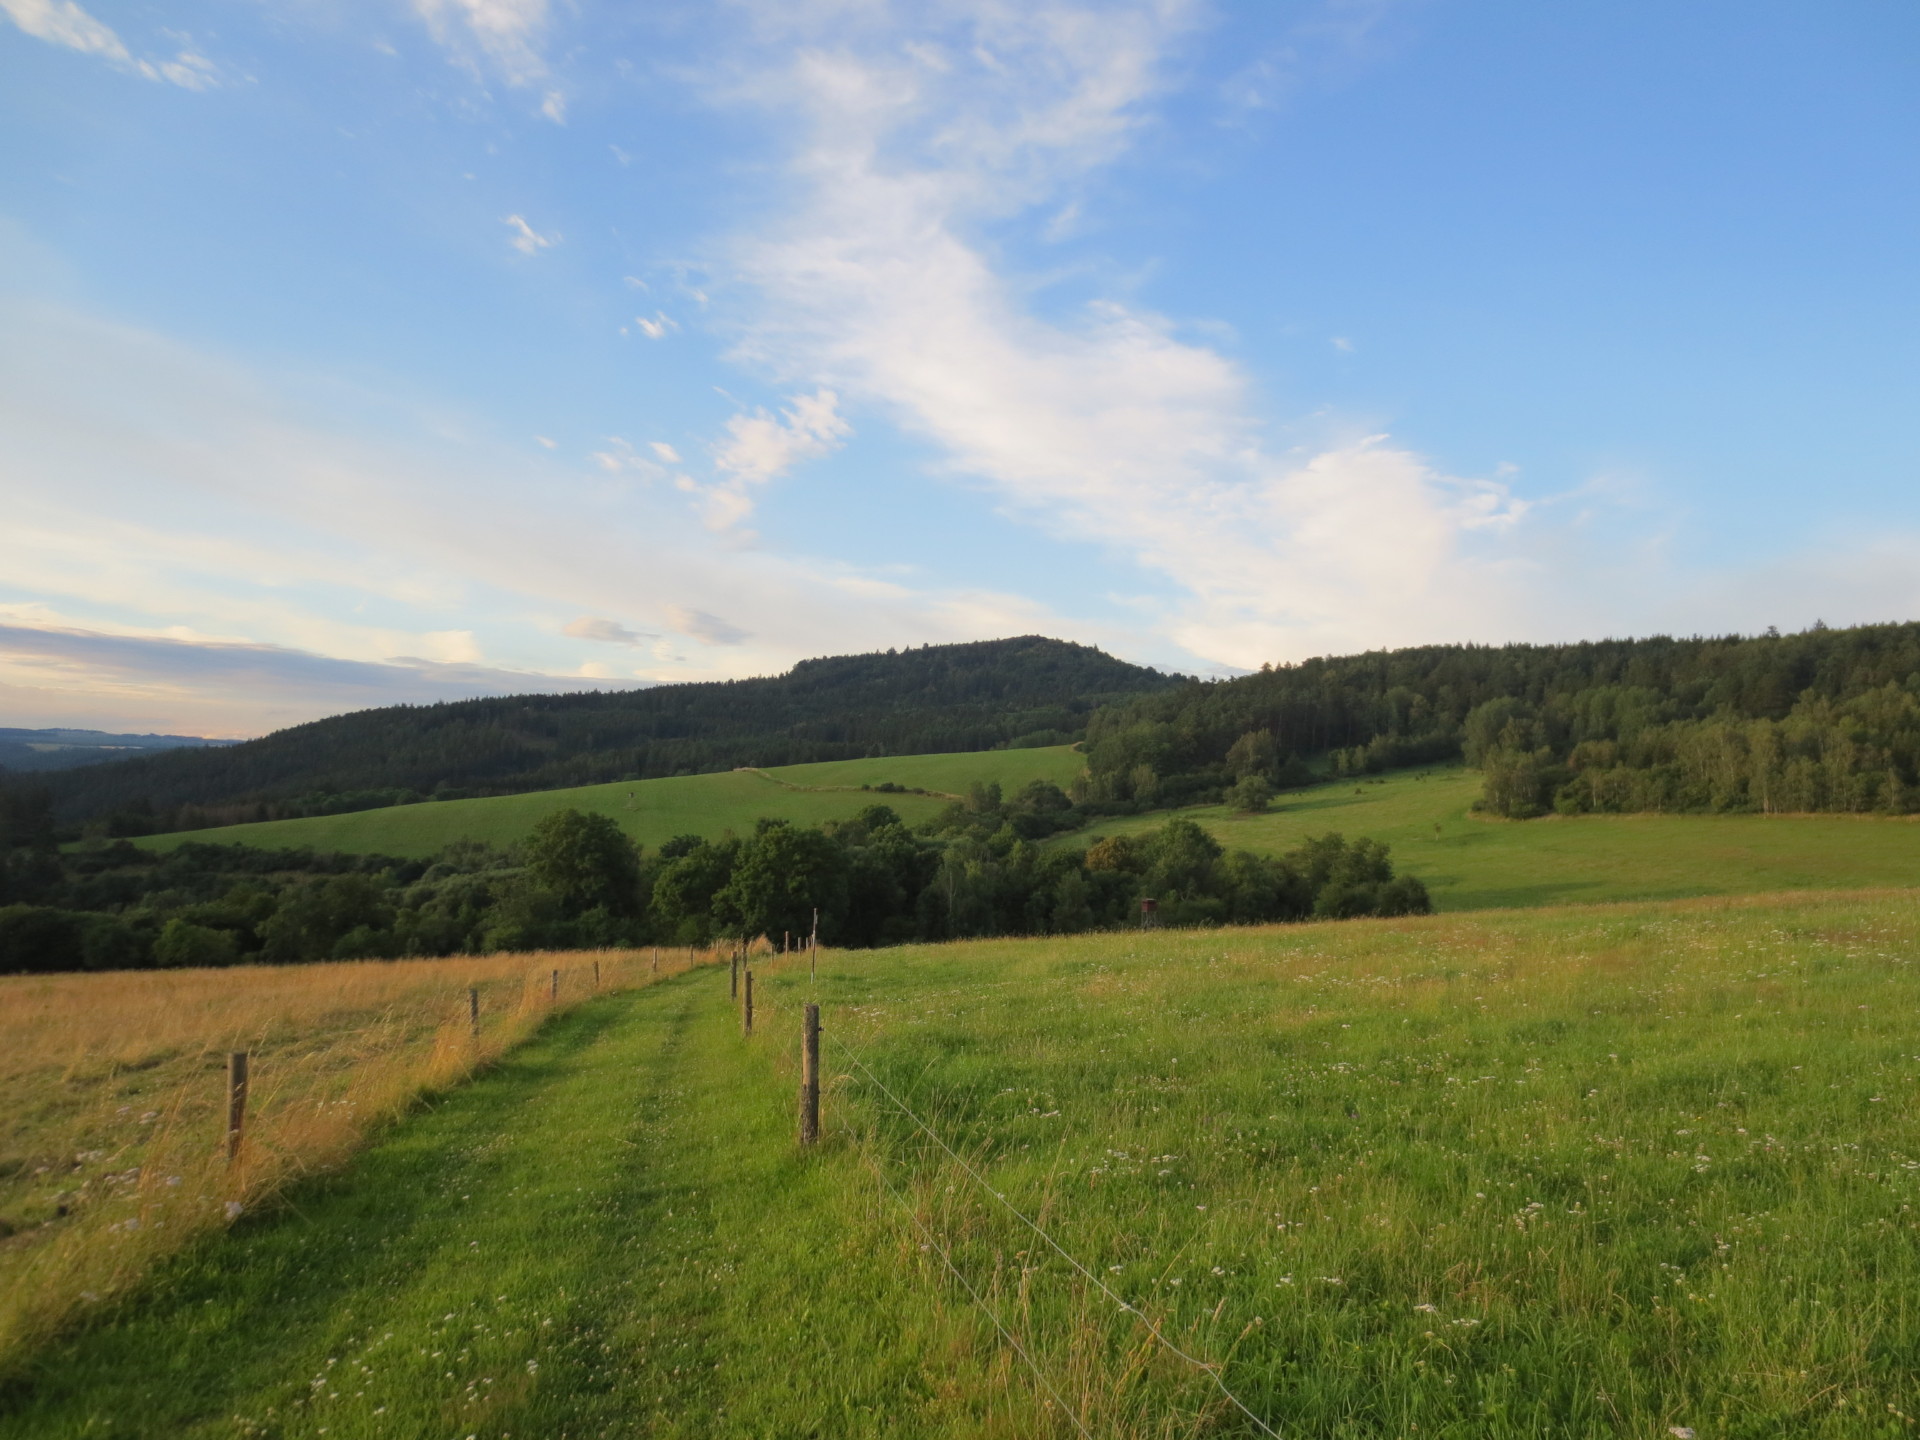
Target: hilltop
<point x="1826" y="720"/>
<point x="1028" y="691"/>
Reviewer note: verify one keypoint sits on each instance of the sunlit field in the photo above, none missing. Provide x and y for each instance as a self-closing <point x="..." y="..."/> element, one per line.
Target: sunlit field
<point x="113" y="1138"/>
<point x="1471" y="862"/>
<point x="653" y="811"/>
<point x="1600" y="1171"/>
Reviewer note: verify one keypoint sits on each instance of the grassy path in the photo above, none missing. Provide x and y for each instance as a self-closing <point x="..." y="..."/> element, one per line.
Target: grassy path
<point x="556" y="1250"/>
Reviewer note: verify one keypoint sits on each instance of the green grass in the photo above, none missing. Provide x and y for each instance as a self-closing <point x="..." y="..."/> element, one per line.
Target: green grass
<point x="610" y="1234"/>
<point x="1471" y="863"/>
<point x="652" y="811"/>
<point x="1584" y="1172"/>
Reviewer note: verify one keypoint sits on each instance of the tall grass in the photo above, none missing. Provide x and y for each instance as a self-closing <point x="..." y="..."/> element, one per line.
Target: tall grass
<point x="1600" y="1171"/>
<point x="112" y="1131"/>
<point x="1596" y="1172"/>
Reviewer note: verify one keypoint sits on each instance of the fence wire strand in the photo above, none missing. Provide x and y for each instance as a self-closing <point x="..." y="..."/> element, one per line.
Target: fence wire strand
<point x="933" y="1244"/>
<point x="1211" y="1370"/>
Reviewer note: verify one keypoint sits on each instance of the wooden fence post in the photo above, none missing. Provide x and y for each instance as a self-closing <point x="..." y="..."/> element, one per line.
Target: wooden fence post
<point x="813" y="949"/>
<point x="596" y="974"/>
<point x="733" y="976"/>
<point x="236" y="1102"/>
<point x="810" y="1077"/>
<point x="656" y="959"/>
<point x="746" y="1014"/>
<point x="553" y="993"/>
<point x="473" y="1009"/>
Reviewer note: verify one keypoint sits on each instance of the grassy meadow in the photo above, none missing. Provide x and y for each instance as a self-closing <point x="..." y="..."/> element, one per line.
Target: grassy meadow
<point x="1474" y="863"/>
<point x="653" y="811"/>
<point x="1468" y="862"/>
<point x="112" y="1143"/>
<point x="1589" y="1171"/>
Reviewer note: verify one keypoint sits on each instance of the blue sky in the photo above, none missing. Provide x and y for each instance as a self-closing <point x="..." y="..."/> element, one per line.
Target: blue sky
<point x="357" y="353"/>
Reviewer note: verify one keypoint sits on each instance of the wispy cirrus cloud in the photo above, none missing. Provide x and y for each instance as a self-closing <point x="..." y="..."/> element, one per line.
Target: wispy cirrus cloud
<point x="761" y="447"/>
<point x="916" y="128"/>
<point x="526" y="239"/>
<point x="66" y="24"/>
<point x="706" y="628"/>
<point x="500" y="38"/>
<point x="607" y="632"/>
<point x="155" y="492"/>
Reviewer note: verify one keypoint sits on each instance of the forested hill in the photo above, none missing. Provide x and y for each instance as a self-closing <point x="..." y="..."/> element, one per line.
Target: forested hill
<point x="1823" y="720"/>
<point x="1029" y="690"/>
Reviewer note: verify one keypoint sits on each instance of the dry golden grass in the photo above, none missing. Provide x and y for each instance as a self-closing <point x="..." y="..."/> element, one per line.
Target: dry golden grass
<point x="113" y="1132"/>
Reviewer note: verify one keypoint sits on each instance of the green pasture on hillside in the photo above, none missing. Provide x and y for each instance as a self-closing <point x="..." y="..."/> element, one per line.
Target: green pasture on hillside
<point x="653" y="811"/>
<point x="1473" y="863"/>
<point x="1468" y="862"/>
<point x="1623" y="1171"/>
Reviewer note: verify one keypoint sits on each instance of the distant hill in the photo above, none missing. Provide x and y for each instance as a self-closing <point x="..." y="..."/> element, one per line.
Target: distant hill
<point x="36" y="750"/>
<point x="939" y="698"/>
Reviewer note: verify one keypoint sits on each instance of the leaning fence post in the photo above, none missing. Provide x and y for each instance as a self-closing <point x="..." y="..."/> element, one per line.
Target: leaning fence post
<point x="746" y="1014"/>
<point x="236" y="1102"/>
<point x="473" y="1009"/>
<point x="733" y="976"/>
<point x="810" y="1076"/>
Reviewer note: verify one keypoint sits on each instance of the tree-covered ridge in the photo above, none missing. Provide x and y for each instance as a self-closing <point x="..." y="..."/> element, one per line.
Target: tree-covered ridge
<point x="1822" y="720"/>
<point x="943" y="698"/>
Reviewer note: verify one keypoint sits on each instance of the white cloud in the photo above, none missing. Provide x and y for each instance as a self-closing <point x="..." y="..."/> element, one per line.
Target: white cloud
<point x="665" y="451"/>
<point x="760" y="447"/>
<point x="502" y="39"/>
<point x="187" y="69"/>
<point x="657" y="328"/>
<point x="526" y="239"/>
<point x="620" y="458"/>
<point x="156" y="492"/>
<point x="1107" y="427"/>
<point x="61" y="22"/>
<point x="502" y="36"/>
<point x="64" y="23"/>
<point x="453" y="647"/>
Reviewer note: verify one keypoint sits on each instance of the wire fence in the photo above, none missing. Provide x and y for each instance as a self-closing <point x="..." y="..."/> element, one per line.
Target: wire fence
<point x="946" y="1258"/>
<point x="1208" y="1368"/>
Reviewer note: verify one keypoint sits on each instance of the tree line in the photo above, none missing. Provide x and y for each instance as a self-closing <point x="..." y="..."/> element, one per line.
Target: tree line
<point x="1827" y="719"/>
<point x="979" y="869"/>
<point x="1821" y="720"/>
